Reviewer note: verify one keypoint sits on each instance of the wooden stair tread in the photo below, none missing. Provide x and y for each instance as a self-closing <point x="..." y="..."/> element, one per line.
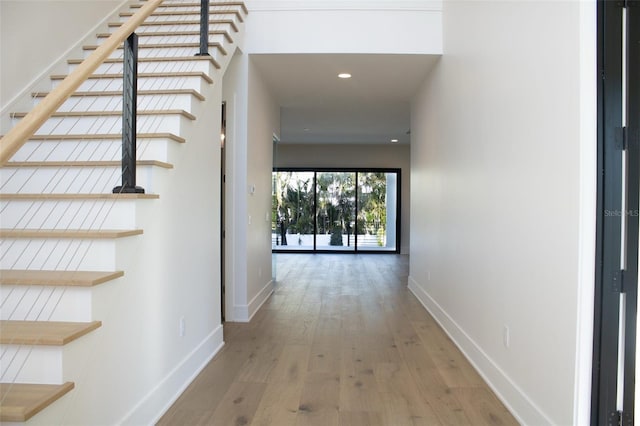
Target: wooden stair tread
<point x="174" y="33"/>
<point x="69" y="233"/>
<point x="212" y="12"/>
<point x="113" y="113"/>
<point x="156" y="163"/>
<point x="166" y="46"/>
<point x="144" y="75"/>
<point x="20" y="401"/>
<point x="62" y="196"/>
<point x="140" y="92"/>
<point x="45" y="333"/>
<point x="57" y="278"/>
<point x="230" y="22"/>
<point x="194" y="4"/>
<point x="98" y="136"/>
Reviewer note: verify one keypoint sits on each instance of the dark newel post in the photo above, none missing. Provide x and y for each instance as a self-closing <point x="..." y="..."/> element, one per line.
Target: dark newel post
<point x="204" y="28"/>
<point x="129" y="104"/>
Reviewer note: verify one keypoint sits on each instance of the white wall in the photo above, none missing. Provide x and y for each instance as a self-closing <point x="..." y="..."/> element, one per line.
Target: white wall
<point x="335" y="155"/>
<point x="264" y="122"/>
<point x="34" y="34"/>
<point x="345" y="26"/>
<point x="499" y="214"/>
<point x="235" y="95"/>
<point x="253" y="118"/>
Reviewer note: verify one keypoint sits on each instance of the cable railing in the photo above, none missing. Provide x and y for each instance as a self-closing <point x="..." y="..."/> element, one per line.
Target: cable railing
<point x="28" y="126"/>
<point x="55" y="148"/>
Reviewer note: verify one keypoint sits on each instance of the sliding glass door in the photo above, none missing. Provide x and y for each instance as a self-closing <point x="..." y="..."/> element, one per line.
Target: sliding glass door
<point x="292" y="212"/>
<point x="377" y="211"/>
<point x="336" y="210"/>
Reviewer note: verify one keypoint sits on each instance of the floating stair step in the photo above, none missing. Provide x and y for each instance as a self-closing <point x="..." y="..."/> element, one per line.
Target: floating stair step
<point x="194" y="45"/>
<point x="112" y="113"/>
<point x="212" y="12"/>
<point x="194" y="4"/>
<point x="159" y="59"/>
<point x="62" y="196"/>
<point x="72" y="137"/>
<point x="144" y="75"/>
<point x="146" y="34"/>
<point x="69" y="233"/>
<point x="140" y="93"/>
<point x="19" y="401"/>
<point x="57" y="278"/>
<point x="85" y="164"/>
<point x="229" y="22"/>
<point x="44" y="333"/>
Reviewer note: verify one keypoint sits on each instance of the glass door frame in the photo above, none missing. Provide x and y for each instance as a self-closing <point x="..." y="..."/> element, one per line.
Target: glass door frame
<point x="357" y="171"/>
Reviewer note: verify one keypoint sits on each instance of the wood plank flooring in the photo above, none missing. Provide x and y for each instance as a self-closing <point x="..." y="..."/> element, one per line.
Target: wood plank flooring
<point x="340" y="342"/>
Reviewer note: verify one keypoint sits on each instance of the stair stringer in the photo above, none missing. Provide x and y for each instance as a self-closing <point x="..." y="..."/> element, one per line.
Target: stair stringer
<point x="133" y="368"/>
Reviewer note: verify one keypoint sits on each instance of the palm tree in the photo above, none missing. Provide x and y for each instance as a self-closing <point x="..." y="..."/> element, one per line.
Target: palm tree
<point x="293" y="203"/>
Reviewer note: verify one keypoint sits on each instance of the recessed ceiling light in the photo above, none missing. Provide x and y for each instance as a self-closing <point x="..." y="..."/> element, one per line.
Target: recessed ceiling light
<point x="306" y="129"/>
<point x="394" y="140"/>
<point x="344" y="75"/>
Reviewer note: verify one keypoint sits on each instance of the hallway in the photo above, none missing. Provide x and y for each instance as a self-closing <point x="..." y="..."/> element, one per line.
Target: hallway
<point x="341" y="341"/>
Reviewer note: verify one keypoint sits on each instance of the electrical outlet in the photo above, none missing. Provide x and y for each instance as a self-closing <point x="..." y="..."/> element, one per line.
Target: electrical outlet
<point x="181" y="327"/>
<point x="506" y="336"/>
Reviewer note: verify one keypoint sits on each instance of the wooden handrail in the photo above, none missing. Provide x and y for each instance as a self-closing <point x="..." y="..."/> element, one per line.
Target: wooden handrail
<point x="21" y="132"/>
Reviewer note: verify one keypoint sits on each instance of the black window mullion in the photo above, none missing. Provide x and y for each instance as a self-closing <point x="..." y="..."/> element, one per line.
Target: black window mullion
<point x="315" y="209"/>
<point x="357" y="210"/>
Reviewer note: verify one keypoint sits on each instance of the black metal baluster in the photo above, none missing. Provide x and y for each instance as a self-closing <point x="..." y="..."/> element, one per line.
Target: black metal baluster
<point x="204" y="28"/>
<point x="129" y="105"/>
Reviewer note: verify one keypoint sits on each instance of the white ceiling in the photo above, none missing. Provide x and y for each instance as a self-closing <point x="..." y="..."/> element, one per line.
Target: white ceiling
<point x="373" y="106"/>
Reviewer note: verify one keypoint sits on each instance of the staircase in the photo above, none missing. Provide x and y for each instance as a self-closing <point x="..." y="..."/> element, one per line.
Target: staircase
<point x="72" y="254"/>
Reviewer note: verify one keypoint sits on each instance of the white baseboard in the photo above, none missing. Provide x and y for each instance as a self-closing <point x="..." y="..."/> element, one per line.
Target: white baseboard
<point x="244" y="313"/>
<point x="153" y="406"/>
<point x="516" y="401"/>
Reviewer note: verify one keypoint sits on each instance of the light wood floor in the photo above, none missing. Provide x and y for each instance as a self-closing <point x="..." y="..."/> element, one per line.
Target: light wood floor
<point x="340" y="342"/>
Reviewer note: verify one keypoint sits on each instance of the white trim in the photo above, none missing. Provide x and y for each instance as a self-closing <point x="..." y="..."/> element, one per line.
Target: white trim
<point x="364" y="5"/>
<point x="244" y="313"/>
<point x="587" y="213"/>
<point x="60" y="61"/>
<point x="153" y="405"/>
<point x="517" y="402"/>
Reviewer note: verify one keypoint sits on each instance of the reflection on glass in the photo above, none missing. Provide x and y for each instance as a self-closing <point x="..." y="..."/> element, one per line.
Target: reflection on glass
<point x="335" y="215"/>
<point x="292" y="212"/>
<point x="377" y="211"/>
